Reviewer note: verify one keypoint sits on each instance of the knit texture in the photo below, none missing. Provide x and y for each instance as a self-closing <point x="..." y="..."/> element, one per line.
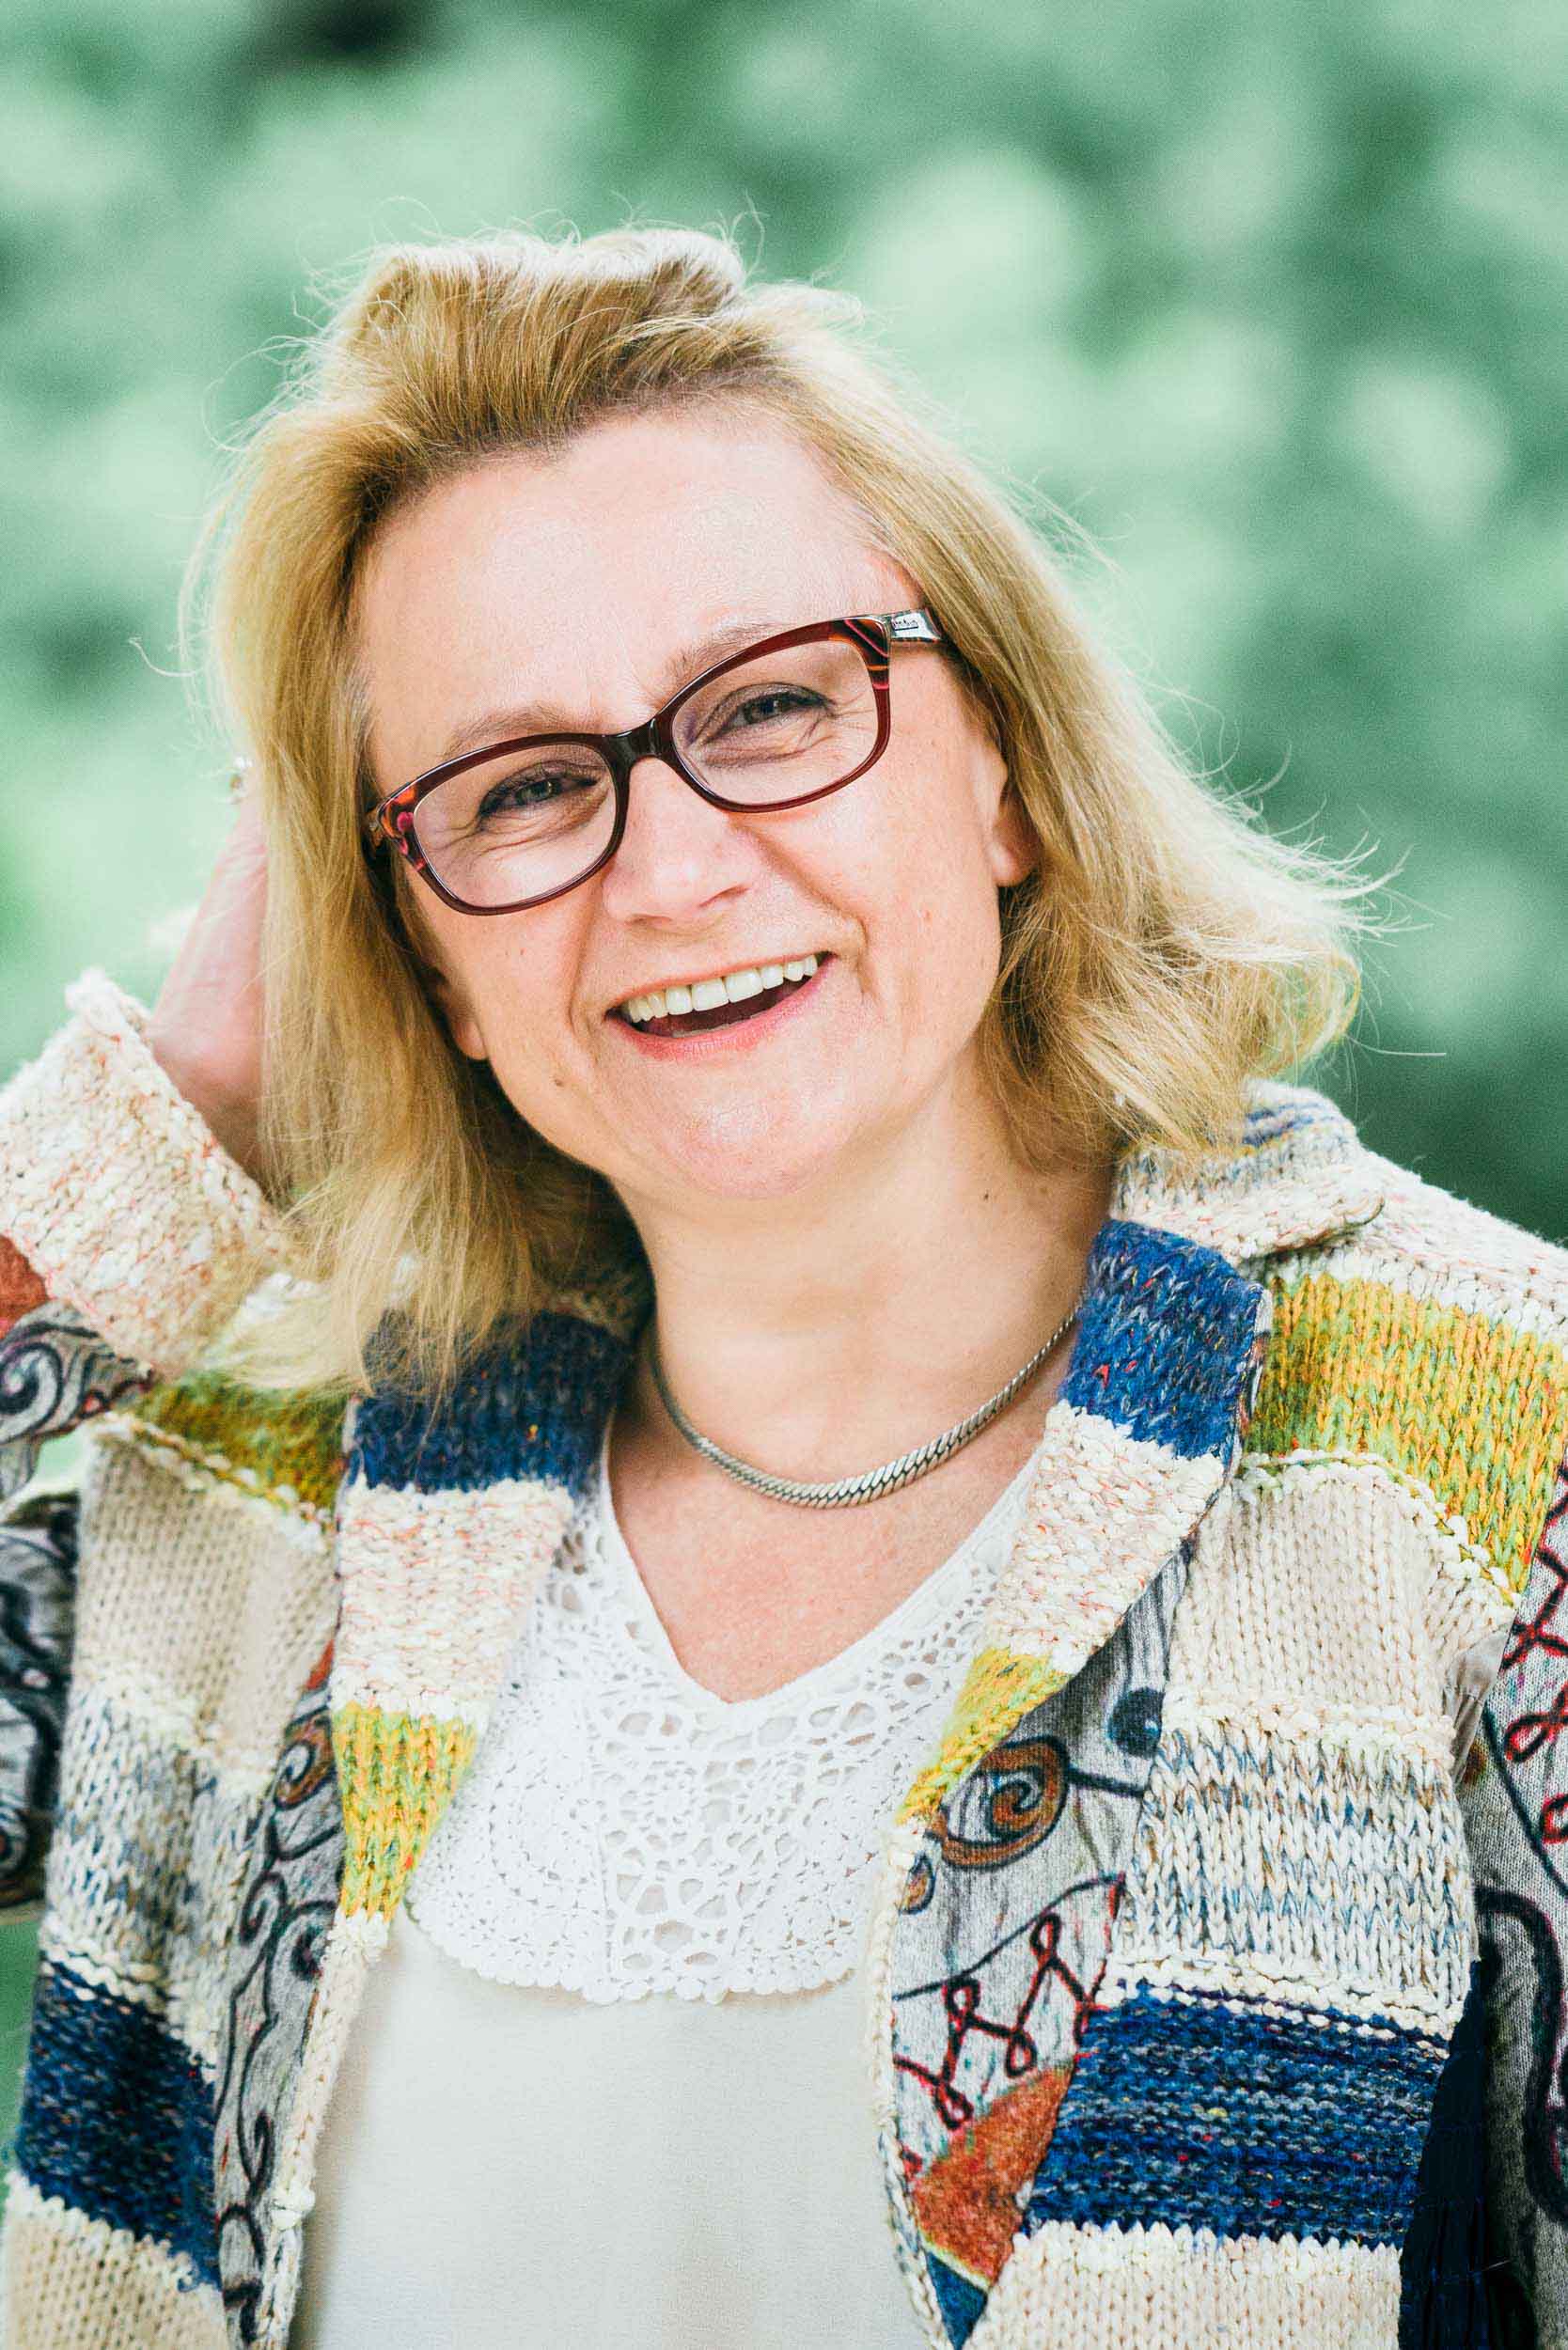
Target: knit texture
<point x="1300" y="1468"/>
<point x="156" y="1244"/>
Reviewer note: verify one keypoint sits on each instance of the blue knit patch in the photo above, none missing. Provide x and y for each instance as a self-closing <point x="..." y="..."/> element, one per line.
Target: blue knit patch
<point x="1164" y="1340"/>
<point x="117" y="2117"/>
<point x="961" y="2304"/>
<point x="1184" y="2112"/>
<point x="533" y="1406"/>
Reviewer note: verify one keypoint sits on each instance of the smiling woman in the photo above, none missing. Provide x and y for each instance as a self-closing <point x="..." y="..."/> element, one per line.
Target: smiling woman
<point x="778" y="1626"/>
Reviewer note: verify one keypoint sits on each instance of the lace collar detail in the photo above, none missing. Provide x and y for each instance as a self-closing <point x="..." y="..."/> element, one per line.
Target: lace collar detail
<point x="623" y="1830"/>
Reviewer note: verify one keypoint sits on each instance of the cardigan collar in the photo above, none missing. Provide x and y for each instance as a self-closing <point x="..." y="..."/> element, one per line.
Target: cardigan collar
<point x="447" y="1517"/>
<point x="1300" y="1176"/>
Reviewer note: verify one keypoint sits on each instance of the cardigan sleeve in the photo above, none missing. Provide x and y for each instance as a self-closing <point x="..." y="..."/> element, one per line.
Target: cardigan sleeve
<point x="116" y="1199"/>
<point x="1513" y="1794"/>
<point x="126" y="1237"/>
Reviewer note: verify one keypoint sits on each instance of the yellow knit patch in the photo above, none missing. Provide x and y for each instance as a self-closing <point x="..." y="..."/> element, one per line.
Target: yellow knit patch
<point x="1000" y="1688"/>
<point x="1474" y="1407"/>
<point x="284" y="1445"/>
<point x="396" y="1774"/>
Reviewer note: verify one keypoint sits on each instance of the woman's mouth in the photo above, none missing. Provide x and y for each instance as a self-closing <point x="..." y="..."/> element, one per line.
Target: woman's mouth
<point x="758" y="993"/>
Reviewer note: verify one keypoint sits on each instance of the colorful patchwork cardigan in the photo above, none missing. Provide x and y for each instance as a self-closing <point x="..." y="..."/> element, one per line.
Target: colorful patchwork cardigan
<point x="1197" y="1949"/>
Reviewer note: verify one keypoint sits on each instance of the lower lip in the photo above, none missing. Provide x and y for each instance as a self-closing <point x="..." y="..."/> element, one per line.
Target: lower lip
<point x="740" y="1035"/>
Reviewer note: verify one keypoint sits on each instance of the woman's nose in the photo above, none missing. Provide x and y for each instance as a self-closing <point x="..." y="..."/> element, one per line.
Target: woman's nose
<point x="676" y="851"/>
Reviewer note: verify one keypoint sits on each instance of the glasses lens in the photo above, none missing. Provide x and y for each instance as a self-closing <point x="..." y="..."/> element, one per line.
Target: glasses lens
<point x="782" y="726"/>
<point x="517" y="824"/>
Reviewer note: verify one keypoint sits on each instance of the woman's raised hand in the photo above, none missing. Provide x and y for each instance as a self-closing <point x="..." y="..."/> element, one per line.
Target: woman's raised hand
<point x="206" y="1027"/>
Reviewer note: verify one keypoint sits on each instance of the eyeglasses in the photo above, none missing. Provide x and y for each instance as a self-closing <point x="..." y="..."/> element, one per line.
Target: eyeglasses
<point x="787" y="720"/>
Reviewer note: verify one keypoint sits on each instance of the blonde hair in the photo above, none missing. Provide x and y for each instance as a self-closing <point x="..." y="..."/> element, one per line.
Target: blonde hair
<point x="1164" y="950"/>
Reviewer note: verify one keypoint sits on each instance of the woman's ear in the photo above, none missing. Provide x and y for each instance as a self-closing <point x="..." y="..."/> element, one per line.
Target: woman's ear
<point x="1014" y="846"/>
<point x="454" y="1008"/>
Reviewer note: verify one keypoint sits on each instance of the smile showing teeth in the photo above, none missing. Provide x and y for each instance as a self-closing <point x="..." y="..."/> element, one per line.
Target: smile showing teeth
<point x="707" y="995"/>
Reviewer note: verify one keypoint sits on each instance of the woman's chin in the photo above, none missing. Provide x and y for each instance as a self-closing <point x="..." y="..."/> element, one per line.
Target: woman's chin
<point x="736" y="1157"/>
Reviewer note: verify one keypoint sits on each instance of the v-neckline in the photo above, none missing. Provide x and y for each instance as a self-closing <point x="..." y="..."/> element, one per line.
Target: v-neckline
<point x="918" y="1607"/>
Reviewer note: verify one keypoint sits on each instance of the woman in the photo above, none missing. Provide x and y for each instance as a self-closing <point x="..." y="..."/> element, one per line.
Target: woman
<point x="784" y="1576"/>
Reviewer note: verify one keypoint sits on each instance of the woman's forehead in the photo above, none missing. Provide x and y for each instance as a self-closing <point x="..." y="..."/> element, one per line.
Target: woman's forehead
<point x="664" y="504"/>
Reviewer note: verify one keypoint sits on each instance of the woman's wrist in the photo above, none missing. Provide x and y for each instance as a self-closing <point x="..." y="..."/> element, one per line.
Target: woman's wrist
<point x="232" y="1121"/>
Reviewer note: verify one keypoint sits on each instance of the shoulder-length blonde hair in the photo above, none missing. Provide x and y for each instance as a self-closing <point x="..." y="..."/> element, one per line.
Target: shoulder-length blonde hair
<point x="1164" y="950"/>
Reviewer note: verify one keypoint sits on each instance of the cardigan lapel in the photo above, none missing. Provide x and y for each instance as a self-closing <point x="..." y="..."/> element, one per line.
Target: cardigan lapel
<point x="1004" y="1865"/>
<point x="1148" y="1426"/>
<point x="1138" y="1443"/>
<point x="445" y="1520"/>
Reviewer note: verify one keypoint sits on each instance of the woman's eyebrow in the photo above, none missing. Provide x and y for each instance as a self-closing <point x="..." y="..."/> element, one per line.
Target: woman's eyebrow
<point x="516" y="719"/>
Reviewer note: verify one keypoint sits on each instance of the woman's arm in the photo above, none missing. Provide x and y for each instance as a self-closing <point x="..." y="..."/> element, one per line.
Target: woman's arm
<point x="127" y="1236"/>
<point x="38" y="1600"/>
<point x="129" y="1232"/>
<point x="128" y="1149"/>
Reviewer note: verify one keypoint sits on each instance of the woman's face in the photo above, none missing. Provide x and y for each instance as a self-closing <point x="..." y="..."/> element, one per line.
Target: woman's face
<point x="592" y="582"/>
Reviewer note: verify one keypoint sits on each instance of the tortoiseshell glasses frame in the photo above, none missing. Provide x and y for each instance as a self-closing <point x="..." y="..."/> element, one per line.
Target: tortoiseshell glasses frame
<point x="393" y="822"/>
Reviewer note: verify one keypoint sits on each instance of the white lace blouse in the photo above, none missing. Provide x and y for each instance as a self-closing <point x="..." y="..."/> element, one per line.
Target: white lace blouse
<point x="621" y="2012"/>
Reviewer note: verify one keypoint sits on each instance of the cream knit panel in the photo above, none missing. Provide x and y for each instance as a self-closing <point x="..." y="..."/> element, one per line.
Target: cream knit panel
<point x="68" y="2283"/>
<point x="200" y="1613"/>
<point x="1447" y="1252"/>
<point x="1068" y="2288"/>
<point x="1324" y="1867"/>
<point x="201" y="1607"/>
<point x="117" y="1192"/>
<point x="1335" y="1582"/>
<point x="1300" y="1838"/>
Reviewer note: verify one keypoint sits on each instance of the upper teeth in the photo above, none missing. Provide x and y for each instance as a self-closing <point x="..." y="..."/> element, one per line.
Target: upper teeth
<point x="703" y="994"/>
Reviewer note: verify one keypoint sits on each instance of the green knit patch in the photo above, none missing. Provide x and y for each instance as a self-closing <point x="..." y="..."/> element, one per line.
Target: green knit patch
<point x="284" y="1445"/>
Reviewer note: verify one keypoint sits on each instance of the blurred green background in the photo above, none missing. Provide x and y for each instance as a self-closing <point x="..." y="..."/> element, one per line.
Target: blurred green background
<point x="1273" y="301"/>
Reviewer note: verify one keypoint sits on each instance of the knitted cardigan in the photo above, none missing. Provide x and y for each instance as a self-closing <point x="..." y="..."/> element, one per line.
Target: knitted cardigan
<point x="1196" y="1947"/>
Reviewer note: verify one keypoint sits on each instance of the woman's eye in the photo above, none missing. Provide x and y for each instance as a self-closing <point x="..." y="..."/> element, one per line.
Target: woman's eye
<point x="532" y="791"/>
<point x="781" y="701"/>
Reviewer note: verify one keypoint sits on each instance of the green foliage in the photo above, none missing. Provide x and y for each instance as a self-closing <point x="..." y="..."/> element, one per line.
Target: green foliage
<point x="1273" y="302"/>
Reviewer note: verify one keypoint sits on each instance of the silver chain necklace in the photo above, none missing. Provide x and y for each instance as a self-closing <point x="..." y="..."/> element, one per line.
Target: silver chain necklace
<point x="872" y="1483"/>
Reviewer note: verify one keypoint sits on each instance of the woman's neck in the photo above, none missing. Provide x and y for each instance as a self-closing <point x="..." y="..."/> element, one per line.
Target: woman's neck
<point x="821" y="1333"/>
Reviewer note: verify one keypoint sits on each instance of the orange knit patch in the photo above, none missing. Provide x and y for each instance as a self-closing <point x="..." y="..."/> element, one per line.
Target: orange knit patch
<point x="21" y="1288"/>
<point x="967" y="2202"/>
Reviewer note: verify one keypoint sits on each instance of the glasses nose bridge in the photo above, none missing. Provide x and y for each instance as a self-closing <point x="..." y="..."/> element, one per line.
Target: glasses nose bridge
<point x="651" y="740"/>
